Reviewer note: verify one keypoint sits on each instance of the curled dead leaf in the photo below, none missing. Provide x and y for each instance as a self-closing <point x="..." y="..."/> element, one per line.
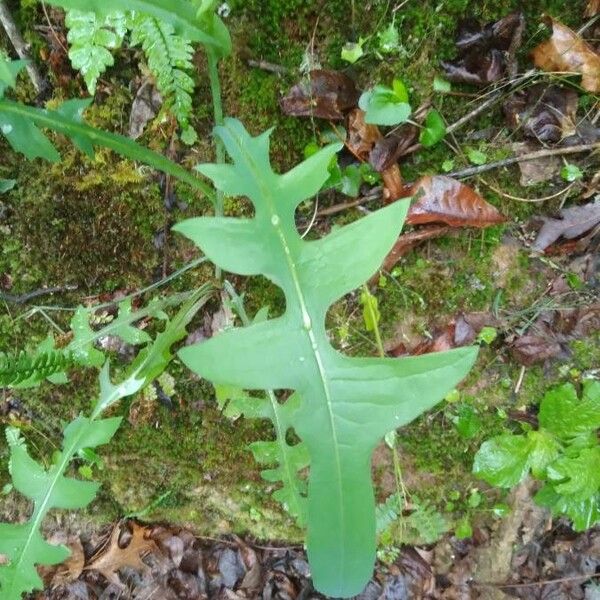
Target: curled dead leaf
<point x="441" y="199"/>
<point x="572" y="223"/>
<point x="545" y="113"/>
<point x="482" y="50"/>
<point x="567" y="51"/>
<point x="364" y="140"/>
<point x="327" y="95"/>
<point x="362" y="136"/>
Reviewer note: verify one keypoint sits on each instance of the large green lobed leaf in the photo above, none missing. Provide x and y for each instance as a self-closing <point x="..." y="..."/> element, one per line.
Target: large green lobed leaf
<point x="347" y="404"/>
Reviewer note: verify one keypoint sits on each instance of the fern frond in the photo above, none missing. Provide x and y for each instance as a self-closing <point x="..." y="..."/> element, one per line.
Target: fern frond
<point x="170" y="60"/>
<point x="427" y="522"/>
<point x="25" y="369"/>
<point x="91" y="38"/>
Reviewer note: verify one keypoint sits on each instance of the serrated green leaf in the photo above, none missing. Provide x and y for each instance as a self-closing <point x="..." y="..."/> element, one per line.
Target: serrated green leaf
<point x="577" y="477"/>
<point x="583" y="513"/>
<point x="567" y="417"/>
<point x="23" y="544"/>
<point x="463" y="529"/>
<point x="347" y="404"/>
<point x="571" y="172"/>
<point x="388" y="40"/>
<point x="84" y="336"/>
<point x="29" y="369"/>
<point x="506" y="460"/>
<point x="52" y="368"/>
<point x="170" y="60"/>
<point x="91" y="37"/>
<point x="468" y="422"/>
<point x="428" y="522"/>
<point x="20" y="577"/>
<point x="48" y="488"/>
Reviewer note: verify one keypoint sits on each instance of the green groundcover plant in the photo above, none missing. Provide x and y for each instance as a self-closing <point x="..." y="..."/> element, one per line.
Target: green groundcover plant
<point x="563" y="453"/>
<point x="340" y="406"/>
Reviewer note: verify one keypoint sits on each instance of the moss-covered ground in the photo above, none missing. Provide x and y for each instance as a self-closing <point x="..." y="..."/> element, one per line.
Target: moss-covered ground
<point x="94" y="223"/>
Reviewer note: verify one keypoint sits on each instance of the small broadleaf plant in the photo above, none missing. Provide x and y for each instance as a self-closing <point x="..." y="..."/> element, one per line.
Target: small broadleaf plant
<point x="346" y="405"/>
<point x="564" y="453"/>
<point x="386" y="106"/>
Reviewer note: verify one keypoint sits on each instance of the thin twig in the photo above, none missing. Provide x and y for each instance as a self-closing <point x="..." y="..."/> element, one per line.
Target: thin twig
<point x="536" y="583"/>
<point x="21" y="47"/>
<point x="53" y="31"/>
<point x="532" y="200"/>
<point x="506" y="162"/>
<point x="24" y="298"/>
<point x="462" y="121"/>
<point x="267" y="66"/>
<point x="374" y="194"/>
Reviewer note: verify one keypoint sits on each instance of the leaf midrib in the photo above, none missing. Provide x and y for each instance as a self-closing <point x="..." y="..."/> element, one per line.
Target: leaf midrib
<point x="306" y="318"/>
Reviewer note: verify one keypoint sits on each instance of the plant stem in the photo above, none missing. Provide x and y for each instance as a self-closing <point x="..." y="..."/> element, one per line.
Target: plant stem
<point x="469" y="172"/>
<point x="215" y="91"/>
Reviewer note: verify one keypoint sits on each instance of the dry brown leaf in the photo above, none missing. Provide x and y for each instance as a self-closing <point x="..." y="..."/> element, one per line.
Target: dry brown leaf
<point x="573" y="222"/>
<point x="592" y="8"/>
<point x="67" y="571"/>
<point x="566" y="51"/>
<point x="362" y="136"/>
<point x="546" y="113"/>
<point x="408" y="241"/>
<point x="136" y="543"/>
<point x="531" y="349"/>
<point x="482" y="50"/>
<point x="327" y="95"/>
<point x="441" y="199"/>
<point x="362" y="141"/>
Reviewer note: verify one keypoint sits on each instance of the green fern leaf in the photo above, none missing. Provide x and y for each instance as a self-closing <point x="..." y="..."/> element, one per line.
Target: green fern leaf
<point x="427" y="522"/>
<point x="169" y="57"/>
<point x="91" y="38"/>
<point x="347" y="404"/>
<point x="26" y="370"/>
<point x="179" y="14"/>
